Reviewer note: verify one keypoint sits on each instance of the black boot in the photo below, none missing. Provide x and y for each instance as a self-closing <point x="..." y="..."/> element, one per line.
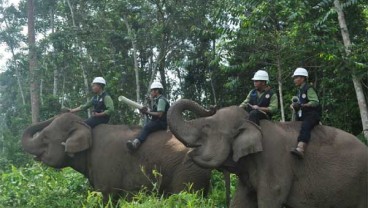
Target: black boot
<point x="133" y="145"/>
<point x="299" y="150"/>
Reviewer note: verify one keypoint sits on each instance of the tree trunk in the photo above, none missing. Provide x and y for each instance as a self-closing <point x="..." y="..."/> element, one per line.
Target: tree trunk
<point x="153" y="69"/>
<point x="162" y="62"/>
<point x="41" y="91"/>
<point x="357" y="83"/>
<point x="84" y="73"/>
<point x="132" y="37"/>
<point x="17" y="73"/>
<point x="35" y="99"/>
<point x="211" y="72"/>
<point x="63" y="93"/>
<point x="56" y="81"/>
<point x="279" y="80"/>
<point x="54" y="55"/>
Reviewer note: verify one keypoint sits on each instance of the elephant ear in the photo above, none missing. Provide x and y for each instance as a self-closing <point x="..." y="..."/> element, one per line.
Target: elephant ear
<point x="79" y="139"/>
<point x="248" y="141"/>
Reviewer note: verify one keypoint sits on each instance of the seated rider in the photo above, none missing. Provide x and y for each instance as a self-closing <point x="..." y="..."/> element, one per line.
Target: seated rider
<point x="158" y="114"/>
<point x="308" y="110"/>
<point x="102" y="104"/>
<point x="261" y="102"/>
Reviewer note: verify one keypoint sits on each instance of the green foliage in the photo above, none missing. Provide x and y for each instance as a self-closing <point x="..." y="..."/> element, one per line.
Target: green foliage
<point x="39" y="186"/>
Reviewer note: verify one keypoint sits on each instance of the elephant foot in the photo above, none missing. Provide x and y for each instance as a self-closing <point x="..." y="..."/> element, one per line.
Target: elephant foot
<point x="133" y="145"/>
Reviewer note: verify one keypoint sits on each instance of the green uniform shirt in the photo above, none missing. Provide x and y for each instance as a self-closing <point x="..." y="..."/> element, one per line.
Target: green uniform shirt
<point x="107" y="101"/>
<point x="161" y="106"/>
<point x="273" y="107"/>
<point x="312" y="96"/>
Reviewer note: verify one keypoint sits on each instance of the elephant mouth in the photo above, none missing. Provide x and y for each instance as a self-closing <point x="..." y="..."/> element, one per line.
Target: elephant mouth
<point x="39" y="157"/>
<point x="193" y="145"/>
<point x="203" y="161"/>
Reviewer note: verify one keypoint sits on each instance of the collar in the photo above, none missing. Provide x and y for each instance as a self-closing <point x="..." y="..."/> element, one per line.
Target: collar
<point x="303" y="85"/>
<point x="100" y="93"/>
<point x="267" y="88"/>
<point x="158" y="97"/>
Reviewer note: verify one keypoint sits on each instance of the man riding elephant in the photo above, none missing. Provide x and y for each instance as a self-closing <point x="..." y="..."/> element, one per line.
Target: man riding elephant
<point x="308" y="110"/>
<point x="159" y="116"/>
<point x="261" y="102"/>
<point x="102" y="104"/>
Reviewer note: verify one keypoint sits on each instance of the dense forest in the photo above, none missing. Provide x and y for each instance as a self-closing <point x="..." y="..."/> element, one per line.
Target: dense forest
<point x="206" y="51"/>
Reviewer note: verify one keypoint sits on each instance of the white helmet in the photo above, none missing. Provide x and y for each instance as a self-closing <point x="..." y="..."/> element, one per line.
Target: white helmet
<point x="261" y="75"/>
<point x="300" y="72"/>
<point x="156" y="85"/>
<point x="99" y="80"/>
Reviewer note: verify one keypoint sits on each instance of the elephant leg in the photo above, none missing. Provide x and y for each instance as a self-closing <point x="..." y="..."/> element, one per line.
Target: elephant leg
<point x="244" y="197"/>
<point x="273" y="189"/>
<point x="364" y="202"/>
<point x="271" y="195"/>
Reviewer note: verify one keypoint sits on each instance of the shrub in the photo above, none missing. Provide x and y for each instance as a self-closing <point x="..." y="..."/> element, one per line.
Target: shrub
<point x="39" y="186"/>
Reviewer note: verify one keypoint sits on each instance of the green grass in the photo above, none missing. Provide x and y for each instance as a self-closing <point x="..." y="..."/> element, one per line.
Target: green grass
<point x="39" y="186"/>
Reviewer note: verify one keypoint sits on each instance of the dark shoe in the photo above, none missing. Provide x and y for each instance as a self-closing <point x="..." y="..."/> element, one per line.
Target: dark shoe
<point x="133" y="145"/>
<point x="297" y="153"/>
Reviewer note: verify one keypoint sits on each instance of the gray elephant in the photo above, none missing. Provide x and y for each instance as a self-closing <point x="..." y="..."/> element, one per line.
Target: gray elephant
<point x="102" y="156"/>
<point x="332" y="174"/>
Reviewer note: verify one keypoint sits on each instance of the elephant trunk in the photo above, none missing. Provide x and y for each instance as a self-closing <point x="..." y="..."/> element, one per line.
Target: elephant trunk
<point x="186" y="132"/>
<point x="30" y="144"/>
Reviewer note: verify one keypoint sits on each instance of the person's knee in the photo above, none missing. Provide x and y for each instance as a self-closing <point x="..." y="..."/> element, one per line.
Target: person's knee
<point x="254" y="117"/>
<point x="253" y="114"/>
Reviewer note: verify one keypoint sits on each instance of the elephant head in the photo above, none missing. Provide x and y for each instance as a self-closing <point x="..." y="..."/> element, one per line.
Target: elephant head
<point x="57" y="139"/>
<point x="214" y="138"/>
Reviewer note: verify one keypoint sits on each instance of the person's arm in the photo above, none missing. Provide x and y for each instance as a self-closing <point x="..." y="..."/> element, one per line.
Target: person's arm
<point x="160" y="109"/>
<point x="272" y="108"/>
<point x="312" y="97"/>
<point x="109" y="107"/>
<point x="274" y="104"/>
<point x="82" y="107"/>
<point x="245" y="103"/>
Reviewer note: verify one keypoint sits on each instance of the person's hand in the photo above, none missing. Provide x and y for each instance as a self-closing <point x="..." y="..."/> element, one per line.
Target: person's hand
<point x="66" y="110"/>
<point x="143" y="110"/>
<point x="296" y="106"/>
<point x="305" y="105"/>
<point x="95" y="114"/>
<point x="292" y="107"/>
<point x="255" y="107"/>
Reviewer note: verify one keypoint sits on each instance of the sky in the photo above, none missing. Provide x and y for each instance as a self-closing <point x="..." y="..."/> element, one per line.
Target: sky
<point x="4" y="53"/>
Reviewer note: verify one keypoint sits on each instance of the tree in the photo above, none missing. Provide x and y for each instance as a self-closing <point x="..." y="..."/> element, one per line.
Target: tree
<point x="357" y="82"/>
<point x="12" y="37"/>
<point x="33" y="70"/>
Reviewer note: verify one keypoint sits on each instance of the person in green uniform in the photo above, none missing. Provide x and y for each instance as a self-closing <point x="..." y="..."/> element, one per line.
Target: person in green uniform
<point x="308" y="110"/>
<point x="158" y="113"/>
<point x="261" y="102"/>
<point x="102" y="104"/>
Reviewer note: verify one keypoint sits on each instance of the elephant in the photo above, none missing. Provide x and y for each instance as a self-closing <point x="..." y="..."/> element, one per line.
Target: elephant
<point x="101" y="156"/>
<point x="333" y="172"/>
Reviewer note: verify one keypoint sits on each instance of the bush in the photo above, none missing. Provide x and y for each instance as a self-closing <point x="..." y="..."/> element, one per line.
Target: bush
<point x="39" y="186"/>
